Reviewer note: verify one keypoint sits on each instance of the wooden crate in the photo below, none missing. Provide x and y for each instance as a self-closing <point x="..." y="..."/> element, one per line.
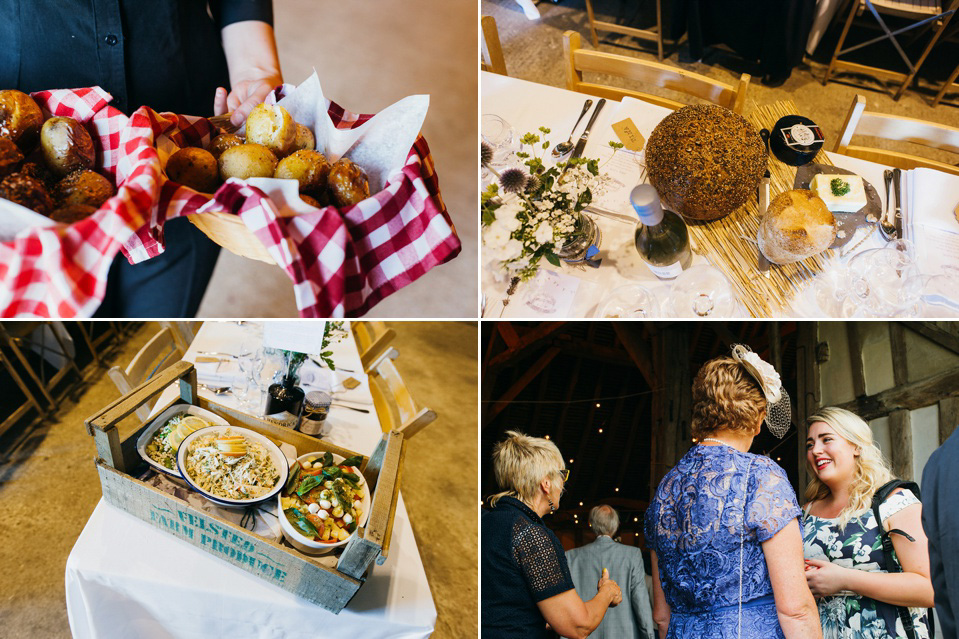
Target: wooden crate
<point x="328" y="581"/>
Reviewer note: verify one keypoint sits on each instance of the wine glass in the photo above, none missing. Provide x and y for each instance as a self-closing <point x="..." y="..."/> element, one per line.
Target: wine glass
<point x="631" y="300"/>
<point x="498" y="133"/>
<point x="701" y="291"/>
<point x="885" y="282"/>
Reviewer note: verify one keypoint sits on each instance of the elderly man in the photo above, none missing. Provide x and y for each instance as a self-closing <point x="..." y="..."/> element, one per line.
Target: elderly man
<point x="940" y="519"/>
<point x="633" y="617"/>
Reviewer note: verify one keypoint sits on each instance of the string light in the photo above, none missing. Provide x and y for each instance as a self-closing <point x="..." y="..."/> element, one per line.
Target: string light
<point x="617" y="490"/>
<point x="600" y="430"/>
<point x="580" y="503"/>
<point x="571" y="460"/>
<point x="695" y="440"/>
<point x="547" y="437"/>
<point x="635" y="518"/>
<point x="597" y="404"/>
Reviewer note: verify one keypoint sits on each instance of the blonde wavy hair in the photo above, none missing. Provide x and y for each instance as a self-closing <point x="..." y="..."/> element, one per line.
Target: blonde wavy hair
<point x="521" y="462"/>
<point x="725" y="397"/>
<point x="872" y="470"/>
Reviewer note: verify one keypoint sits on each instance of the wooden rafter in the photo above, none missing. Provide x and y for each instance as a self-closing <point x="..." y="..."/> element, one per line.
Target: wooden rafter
<point x="528" y="342"/>
<point x="529" y="375"/>
<point x="630" y="334"/>
<point x="935" y="334"/>
<point x="631" y="439"/>
<point x="586" y="349"/>
<point x="910" y="396"/>
<point x="855" y="359"/>
<point x="897" y="341"/>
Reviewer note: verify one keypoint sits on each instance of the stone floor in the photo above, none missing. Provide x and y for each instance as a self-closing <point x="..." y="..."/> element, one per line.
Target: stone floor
<point x="368" y="56"/>
<point x="49" y="487"/>
<point x="534" y="51"/>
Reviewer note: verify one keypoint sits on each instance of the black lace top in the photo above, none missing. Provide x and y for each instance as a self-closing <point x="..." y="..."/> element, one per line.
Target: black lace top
<point x="522" y="563"/>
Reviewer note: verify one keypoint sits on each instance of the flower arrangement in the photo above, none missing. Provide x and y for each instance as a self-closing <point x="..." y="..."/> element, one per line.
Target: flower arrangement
<point x="529" y="215"/>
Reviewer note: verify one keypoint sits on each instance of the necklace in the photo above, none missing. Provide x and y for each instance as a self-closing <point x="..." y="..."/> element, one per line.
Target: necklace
<point x="718" y="441"/>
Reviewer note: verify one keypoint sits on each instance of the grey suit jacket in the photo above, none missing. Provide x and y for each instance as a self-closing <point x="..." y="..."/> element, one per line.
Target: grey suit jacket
<point x="940" y="520"/>
<point x="634" y="616"/>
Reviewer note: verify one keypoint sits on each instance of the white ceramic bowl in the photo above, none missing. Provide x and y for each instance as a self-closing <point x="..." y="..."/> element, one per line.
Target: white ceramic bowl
<point x="309" y="546"/>
<point x="159" y="421"/>
<point x="276" y="455"/>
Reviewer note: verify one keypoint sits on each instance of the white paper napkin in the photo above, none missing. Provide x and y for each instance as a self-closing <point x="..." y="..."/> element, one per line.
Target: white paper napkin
<point x="221" y="373"/>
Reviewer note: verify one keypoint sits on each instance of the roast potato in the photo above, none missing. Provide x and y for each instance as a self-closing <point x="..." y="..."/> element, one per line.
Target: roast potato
<point x="26" y="191"/>
<point x="10" y="157"/>
<point x="348" y="183"/>
<point x="304" y="140"/>
<point x="83" y="187"/>
<point x="72" y="213"/>
<point x="223" y="142"/>
<point x="246" y="161"/>
<point x="20" y="118"/>
<point x="67" y="147"/>
<point x="312" y="201"/>
<point x="195" y="168"/>
<point x="272" y="126"/>
<point x="309" y="168"/>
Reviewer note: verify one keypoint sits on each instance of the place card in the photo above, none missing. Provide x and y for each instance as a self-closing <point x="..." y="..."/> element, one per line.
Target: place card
<point x="629" y="135"/>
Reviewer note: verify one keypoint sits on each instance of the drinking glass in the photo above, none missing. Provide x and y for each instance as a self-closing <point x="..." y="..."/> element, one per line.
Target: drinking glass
<point x="631" y="300"/>
<point x="701" y="291"/>
<point x="498" y="133"/>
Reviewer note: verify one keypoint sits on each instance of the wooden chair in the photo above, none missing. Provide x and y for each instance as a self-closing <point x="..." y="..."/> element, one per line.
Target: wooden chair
<point x="946" y="86"/>
<point x="894" y="127"/>
<point x="29" y="400"/>
<point x="96" y="335"/>
<point x="394" y="404"/>
<point x="183" y="333"/>
<point x="643" y="34"/>
<point x="492" y="51"/>
<point x="579" y="60"/>
<point x="927" y="12"/>
<point x="158" y="354"/>
<point x="35" y="336"/>
<point x="373" y="339"/>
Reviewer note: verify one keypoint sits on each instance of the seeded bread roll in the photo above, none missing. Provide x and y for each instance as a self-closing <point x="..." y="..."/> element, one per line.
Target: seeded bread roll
<point x="309" y="168"/>
<point x="705" y="161"/>
<point x="83" y="187"/>
<point x="10" y="157"/>
<point x="193" y="167"/>
<point x="246" y="161"/>
<point x="796" y="225"/>
<point x="304" y="139"/>
<point x="223" y="142"/>
<point x="72" y="213"/>
<point x="272" y="126"/>
<point x="348" y="183"/>
<point x="20" y="118"/>
<point x="26" y="191"/>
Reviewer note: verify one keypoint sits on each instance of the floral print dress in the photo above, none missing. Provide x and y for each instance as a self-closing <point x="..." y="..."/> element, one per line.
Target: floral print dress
<point x="859" y="546"/>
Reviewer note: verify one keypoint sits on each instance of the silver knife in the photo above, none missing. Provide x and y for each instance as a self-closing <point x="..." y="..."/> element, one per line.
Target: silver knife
<point x="897" y="185"/>
<point x="581" y="144"/>
<point x="762" y="263"/>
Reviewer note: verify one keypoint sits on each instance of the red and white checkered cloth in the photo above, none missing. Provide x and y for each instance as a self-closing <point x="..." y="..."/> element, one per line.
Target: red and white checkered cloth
<point x="61" y="271"/>
<point x="341" y="261"/>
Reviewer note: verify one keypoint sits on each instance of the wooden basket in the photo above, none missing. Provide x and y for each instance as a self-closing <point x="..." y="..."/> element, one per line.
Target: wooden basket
<point x="328" y="581"/>
<point x="231" y="233"/>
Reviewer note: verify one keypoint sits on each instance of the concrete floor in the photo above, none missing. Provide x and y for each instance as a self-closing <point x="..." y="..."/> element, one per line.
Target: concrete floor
<point x="368" y="56"/>
<point x="534" y="51"/>
<point x="49" y="487"/>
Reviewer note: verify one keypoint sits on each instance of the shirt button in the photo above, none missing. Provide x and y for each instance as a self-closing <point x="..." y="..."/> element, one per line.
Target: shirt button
<point x="111" y="39"/>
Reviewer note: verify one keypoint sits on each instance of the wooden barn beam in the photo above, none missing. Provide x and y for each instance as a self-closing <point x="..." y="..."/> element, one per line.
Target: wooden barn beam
<point x="897" y="341"/>
<point x="775" y="345"/>
<point x="948" y="417"/>
<point x="935" y="334"/>
<point x="900" y="440"/>
<point x="508" y="332"/>
<point x="595" y="352"/>
<point x="497" y="407"/>
<point x="630" y="334"/>
<point x="854" y="337"/>
<point x="807" y="390"/>
<point x="908" y="396"/>
<point x="527" y="342"/>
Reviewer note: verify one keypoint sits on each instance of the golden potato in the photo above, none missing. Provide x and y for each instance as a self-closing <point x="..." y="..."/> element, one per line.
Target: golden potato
<point x="223" y="142"/>
<point x="312" y="201"/>
<point x="195" y="168"/>
<point x="348" y="183"/>
<point x="246" y="161"/>
<point x="83" y="187"/>
<point x="72" y="213"/>
<point x="67" y="146"/>
<point x="20" y="118"/>
<point x="309" y="168"/>
<point x="10" y="157"/>
<point x="304" y="140"/>
<point x="26" y="191"/>
<point x="272" y="126"/>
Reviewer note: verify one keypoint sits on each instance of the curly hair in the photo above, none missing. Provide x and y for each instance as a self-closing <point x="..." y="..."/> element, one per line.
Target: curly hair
<point x="521" y="462"/>
<point x="872" y="471"/>
<point x="725" y="397"/>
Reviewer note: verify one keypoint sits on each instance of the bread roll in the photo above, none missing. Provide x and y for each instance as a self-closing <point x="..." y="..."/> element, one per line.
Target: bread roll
<point x="20" y="118"/>
<point x="26" y="191"/>
<point x="796" y="225"/>
<point x="193" y="167"/>
<point x="312" y="201"/>
<point x="309" y="168"/>
<point x="304" y="141"/>
<point x="10" y="157"/>
<point x="67" y="146"/>
<point x="348" y="183"/>
<point x="246" y="161"/>
<point x="72" y="213"/>
<point x="272" y="126"/>
<point x="83" y="187"/>
<point x="223" y="142"/>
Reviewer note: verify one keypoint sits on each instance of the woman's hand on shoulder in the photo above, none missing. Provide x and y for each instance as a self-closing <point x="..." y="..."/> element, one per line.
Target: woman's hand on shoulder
<point x="825" y="578"/>
<point x="616" y="595"/>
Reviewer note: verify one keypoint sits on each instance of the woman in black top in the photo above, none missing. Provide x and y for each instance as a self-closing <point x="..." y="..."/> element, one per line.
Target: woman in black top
<point x="170" y="55"/>
<point x="526" y="582"/>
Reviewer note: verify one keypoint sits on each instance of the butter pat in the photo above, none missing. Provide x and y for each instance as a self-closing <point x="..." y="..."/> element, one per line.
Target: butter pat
<point x="853" y="198"/>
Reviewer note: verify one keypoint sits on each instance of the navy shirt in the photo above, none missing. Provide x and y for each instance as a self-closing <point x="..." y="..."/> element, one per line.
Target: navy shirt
<point x="522" y="563"/>
<point x="940" y="520"/>
<point x="166" y="54"/>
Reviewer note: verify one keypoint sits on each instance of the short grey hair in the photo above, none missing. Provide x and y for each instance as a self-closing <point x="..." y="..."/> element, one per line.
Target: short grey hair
<point x="604" y="520"/>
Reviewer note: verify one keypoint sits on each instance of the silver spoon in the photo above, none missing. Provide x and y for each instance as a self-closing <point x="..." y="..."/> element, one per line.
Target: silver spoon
<point x="563" y="148"/>
<point x="216" y="390"/>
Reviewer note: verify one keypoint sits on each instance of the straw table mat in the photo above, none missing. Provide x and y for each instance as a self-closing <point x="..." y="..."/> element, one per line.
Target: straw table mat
<point x="725" y="242"/>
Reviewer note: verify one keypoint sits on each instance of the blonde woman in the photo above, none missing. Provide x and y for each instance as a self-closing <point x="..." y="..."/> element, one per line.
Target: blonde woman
<point x="722" y="528"/>
<point x="844" y="555"/>
<point x="526" y="582"/>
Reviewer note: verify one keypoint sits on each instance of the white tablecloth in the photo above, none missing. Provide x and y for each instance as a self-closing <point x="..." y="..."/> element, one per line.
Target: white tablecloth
<point x="125" y="578"/>
<point x="526" y="106"/>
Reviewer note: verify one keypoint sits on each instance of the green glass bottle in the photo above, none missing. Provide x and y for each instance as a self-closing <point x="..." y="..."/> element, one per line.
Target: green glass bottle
<point x="662" y="238"/>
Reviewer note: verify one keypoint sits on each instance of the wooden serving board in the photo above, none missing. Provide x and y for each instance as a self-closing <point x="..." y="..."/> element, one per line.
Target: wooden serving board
<point x="730" y="243"/>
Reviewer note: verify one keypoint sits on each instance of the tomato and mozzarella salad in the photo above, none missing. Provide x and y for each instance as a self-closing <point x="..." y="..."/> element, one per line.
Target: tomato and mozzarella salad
<point x="323" y="500"/>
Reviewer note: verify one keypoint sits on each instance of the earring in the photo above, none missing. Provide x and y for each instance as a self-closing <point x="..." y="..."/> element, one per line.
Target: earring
<point x="551" y="507"/>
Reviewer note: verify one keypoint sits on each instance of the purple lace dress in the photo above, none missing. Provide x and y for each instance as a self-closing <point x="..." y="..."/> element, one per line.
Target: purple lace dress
<point x="695" y="524"/>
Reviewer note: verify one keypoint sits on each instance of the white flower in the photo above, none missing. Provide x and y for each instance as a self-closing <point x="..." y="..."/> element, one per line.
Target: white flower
<point x="496" y="235"/>
<point x="506" y="216"/>
<point x="543" y="233"/>
<point x="512" y="250"/>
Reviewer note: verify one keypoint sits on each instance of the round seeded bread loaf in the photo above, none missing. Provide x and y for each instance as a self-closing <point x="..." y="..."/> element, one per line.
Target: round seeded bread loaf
<point x="796" y="225"/>
<point x="705" y="161"/>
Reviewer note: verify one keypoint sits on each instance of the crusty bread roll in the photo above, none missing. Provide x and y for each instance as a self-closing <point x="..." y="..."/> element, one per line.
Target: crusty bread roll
<point x="20" y="118"/>
<point x="193" y="167"/>
<point x="348" y="183"/>
<point x="272" y="126"/>
<point x="10" y="157"/>
<point x="67" y="146"/>
<point x="796" y="225"/>
<point x="83" y="187"/>
<point x="26" y="191"/>
<point x="223" y="142"/>
<point x="305" y="140"/>
<point x="246" y="161"/>
<point x="309" y="168"/>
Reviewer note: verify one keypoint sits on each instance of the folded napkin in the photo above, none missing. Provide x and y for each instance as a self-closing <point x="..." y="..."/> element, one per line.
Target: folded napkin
<point x="220" y="373"/>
